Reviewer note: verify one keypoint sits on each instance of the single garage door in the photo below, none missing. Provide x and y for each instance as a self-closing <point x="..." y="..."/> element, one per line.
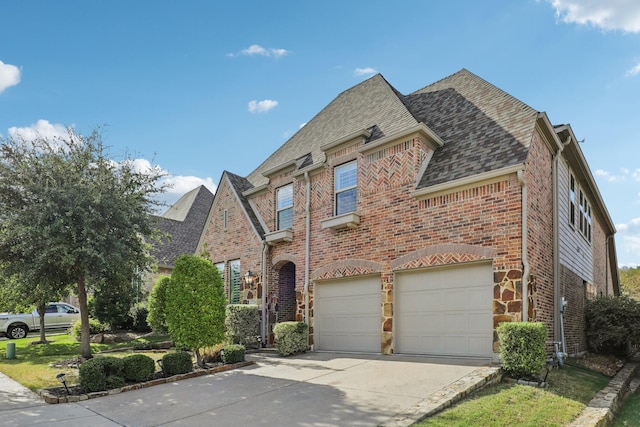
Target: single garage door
<point x="347" y="315"/>
<point x="445" y="311"/>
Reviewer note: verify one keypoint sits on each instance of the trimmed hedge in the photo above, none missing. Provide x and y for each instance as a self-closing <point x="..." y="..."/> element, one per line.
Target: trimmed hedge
<point x="138" y="367"/>
<point x="233" y="353"/>
<point x="242" y="322"/>
<point x="291" y="337"/>
<point x="95" y="327"/>
<point x="101" y="373"/>
<point x="522" y="347"/>
<point x="176" y="363"/>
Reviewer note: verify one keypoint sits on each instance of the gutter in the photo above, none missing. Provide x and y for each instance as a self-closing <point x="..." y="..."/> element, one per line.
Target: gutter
<point x="558" y="300"/>
<point x="525" y="245"/>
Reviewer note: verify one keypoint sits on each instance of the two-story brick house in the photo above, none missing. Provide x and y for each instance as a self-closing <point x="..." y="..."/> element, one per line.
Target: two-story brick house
<point x="417" y="223"/>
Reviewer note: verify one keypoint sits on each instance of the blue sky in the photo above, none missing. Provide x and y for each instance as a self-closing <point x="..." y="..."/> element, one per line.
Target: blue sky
<point x="198" y="87"/>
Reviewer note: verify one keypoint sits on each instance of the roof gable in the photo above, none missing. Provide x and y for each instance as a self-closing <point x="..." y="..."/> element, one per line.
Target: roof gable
<point x="182" y="228"/>
<point x="371" y="103"/>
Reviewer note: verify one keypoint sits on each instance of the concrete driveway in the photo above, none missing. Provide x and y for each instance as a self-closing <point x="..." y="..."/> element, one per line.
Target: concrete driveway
<point x="314" y="389"/>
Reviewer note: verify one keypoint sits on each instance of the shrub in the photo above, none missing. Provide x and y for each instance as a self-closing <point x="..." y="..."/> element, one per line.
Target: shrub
<point x="612" y="324"/>
<point x="157" y="305"/>
<point x="291" y="337"/>
<point x="522" y="347"/>
<point x="101" y="373"/>
<point x="195" y="305"/>
<point x="177" y="363"/>
<point x="138" y="367"/>
<point x="233" y="353"/>
<point x="138" y="314"/>
<point x="241" y="322"/>
<point x="95" y="327"/>
<point x="142" y="345"/>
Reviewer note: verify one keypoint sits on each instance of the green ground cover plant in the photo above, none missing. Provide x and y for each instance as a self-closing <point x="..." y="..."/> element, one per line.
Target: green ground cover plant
<point x="630" y="412"/>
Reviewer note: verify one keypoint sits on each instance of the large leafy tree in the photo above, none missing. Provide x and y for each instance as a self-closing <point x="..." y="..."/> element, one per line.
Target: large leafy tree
<point x="71" y="215"/>
<point x="195" y="304"/>
<point x="630" y="281"/>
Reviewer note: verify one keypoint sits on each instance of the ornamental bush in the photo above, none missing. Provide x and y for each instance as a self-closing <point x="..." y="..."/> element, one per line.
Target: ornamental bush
<point x="95" y="327"/>
<point x="157" y="305"/>
<point x="233" y="353"/>
<point x="522" y="348"/>
<point x="612" y="324"/>
<point x="242" y="322"/>
<point x="138" y="367"/>
<point x="291" y="337"/>
<point x="101" y="373"/>
<point x="177" y="363"/>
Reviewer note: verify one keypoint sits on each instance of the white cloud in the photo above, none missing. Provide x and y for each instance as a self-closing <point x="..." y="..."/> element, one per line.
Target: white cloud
<point x="364" y="71"/>
<point x="9" y="76"/>
<point x="609" y="177"/>
<point x="633" y="71"/>
<point x="178" y="185"/>
<point x="608" y="15"/>
<point x="256" y="49"/>
<point x="262" y="106"/>
<point x="302" y="125"/>
<point x="636" y="174"/>
<point x="40" y="129"/>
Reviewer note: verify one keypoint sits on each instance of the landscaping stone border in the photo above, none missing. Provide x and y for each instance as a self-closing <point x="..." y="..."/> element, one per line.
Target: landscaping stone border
<point x="51" y="398"/>
<point x="601" y="409"/>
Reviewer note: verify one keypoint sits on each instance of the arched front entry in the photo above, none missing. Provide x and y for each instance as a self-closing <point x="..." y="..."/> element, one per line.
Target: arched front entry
<point x="281" y="297"/>
<point x="286" y="306"/>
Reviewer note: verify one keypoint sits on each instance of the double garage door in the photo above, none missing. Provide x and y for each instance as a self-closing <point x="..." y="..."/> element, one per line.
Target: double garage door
<point x="437" y="311"/>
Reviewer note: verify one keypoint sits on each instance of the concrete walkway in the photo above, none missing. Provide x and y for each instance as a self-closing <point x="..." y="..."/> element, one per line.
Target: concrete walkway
<point x="314" y="389"/>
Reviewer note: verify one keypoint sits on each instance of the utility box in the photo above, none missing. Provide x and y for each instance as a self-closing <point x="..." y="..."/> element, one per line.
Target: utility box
<point x="11" y="350"/>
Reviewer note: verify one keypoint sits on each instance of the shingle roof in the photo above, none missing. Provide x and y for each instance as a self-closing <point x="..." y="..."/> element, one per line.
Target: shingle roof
<point x="240" y="185"/>
<point x="182" y="235"/>
<point x="483" y="127"/>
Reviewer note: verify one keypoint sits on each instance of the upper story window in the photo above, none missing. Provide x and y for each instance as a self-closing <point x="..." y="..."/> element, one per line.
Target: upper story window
<point x="572" y="201"/>
<point x="585" y="217"/>
<point x="346" y="187"/>
<point x="284" y="196"/>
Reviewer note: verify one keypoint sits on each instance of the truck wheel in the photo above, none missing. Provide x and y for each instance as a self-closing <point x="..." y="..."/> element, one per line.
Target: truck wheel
<point x="17" y="332"/>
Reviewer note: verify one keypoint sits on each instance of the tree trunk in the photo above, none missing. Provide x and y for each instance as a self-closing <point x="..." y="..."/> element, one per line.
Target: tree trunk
<point x="42" y="309"/>
<point x="85" y="344"/>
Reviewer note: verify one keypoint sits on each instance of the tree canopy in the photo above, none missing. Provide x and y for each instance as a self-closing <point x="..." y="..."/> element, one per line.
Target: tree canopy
<point x="630" y="282"/>
<point x="70" y="215"/>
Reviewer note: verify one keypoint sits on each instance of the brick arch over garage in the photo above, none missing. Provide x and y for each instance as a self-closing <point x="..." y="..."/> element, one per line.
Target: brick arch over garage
<point x="442" y="255"/>
<point x="346" y="268"/>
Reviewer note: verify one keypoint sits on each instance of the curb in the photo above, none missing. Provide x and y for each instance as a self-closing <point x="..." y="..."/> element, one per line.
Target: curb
<point x="601" y="409"/>
<point x="54" y="399"/>
<point x="446" y="397"/>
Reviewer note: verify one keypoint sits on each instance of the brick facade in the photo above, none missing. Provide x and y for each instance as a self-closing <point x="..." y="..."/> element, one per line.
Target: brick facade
<point x="478" y="220"/>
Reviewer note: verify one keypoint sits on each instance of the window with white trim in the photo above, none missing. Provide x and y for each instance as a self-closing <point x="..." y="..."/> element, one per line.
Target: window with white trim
<point x="284" y="207"/>
<point x="585" y="216"/>
<point x="346" y="187"/>
<point x="234" y="281"/>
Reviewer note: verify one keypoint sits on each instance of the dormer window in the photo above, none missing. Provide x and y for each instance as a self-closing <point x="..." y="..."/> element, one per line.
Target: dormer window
<point x="284" y="202"/>
<point x="346" y="187"/>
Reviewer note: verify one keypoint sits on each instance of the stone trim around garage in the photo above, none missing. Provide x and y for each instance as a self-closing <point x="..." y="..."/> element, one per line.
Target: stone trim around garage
<point x="53" y="399"/>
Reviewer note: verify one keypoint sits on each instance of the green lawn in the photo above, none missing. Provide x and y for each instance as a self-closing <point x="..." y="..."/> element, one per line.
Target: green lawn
<point x="629" y="414"/>
<point x="31" y="365"/>
<point x="506" y="405"/>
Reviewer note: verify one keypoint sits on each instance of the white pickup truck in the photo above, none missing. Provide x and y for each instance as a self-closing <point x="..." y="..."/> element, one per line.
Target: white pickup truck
<point x="58" y="315"/>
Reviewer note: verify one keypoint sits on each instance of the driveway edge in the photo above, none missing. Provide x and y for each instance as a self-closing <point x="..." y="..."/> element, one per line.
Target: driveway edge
<point x="446" y="397"/>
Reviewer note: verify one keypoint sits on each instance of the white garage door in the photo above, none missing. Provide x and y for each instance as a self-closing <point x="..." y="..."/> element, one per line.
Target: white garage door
<point x="348" y="315"/>
<point x="445" y="311"/>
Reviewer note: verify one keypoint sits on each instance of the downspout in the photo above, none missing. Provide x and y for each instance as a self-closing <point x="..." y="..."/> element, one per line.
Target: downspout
<point x="558" y="300"/>
<point x="265" y="250"/>
<point x="307" y="248"/>
<point x="525" y="243"/>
